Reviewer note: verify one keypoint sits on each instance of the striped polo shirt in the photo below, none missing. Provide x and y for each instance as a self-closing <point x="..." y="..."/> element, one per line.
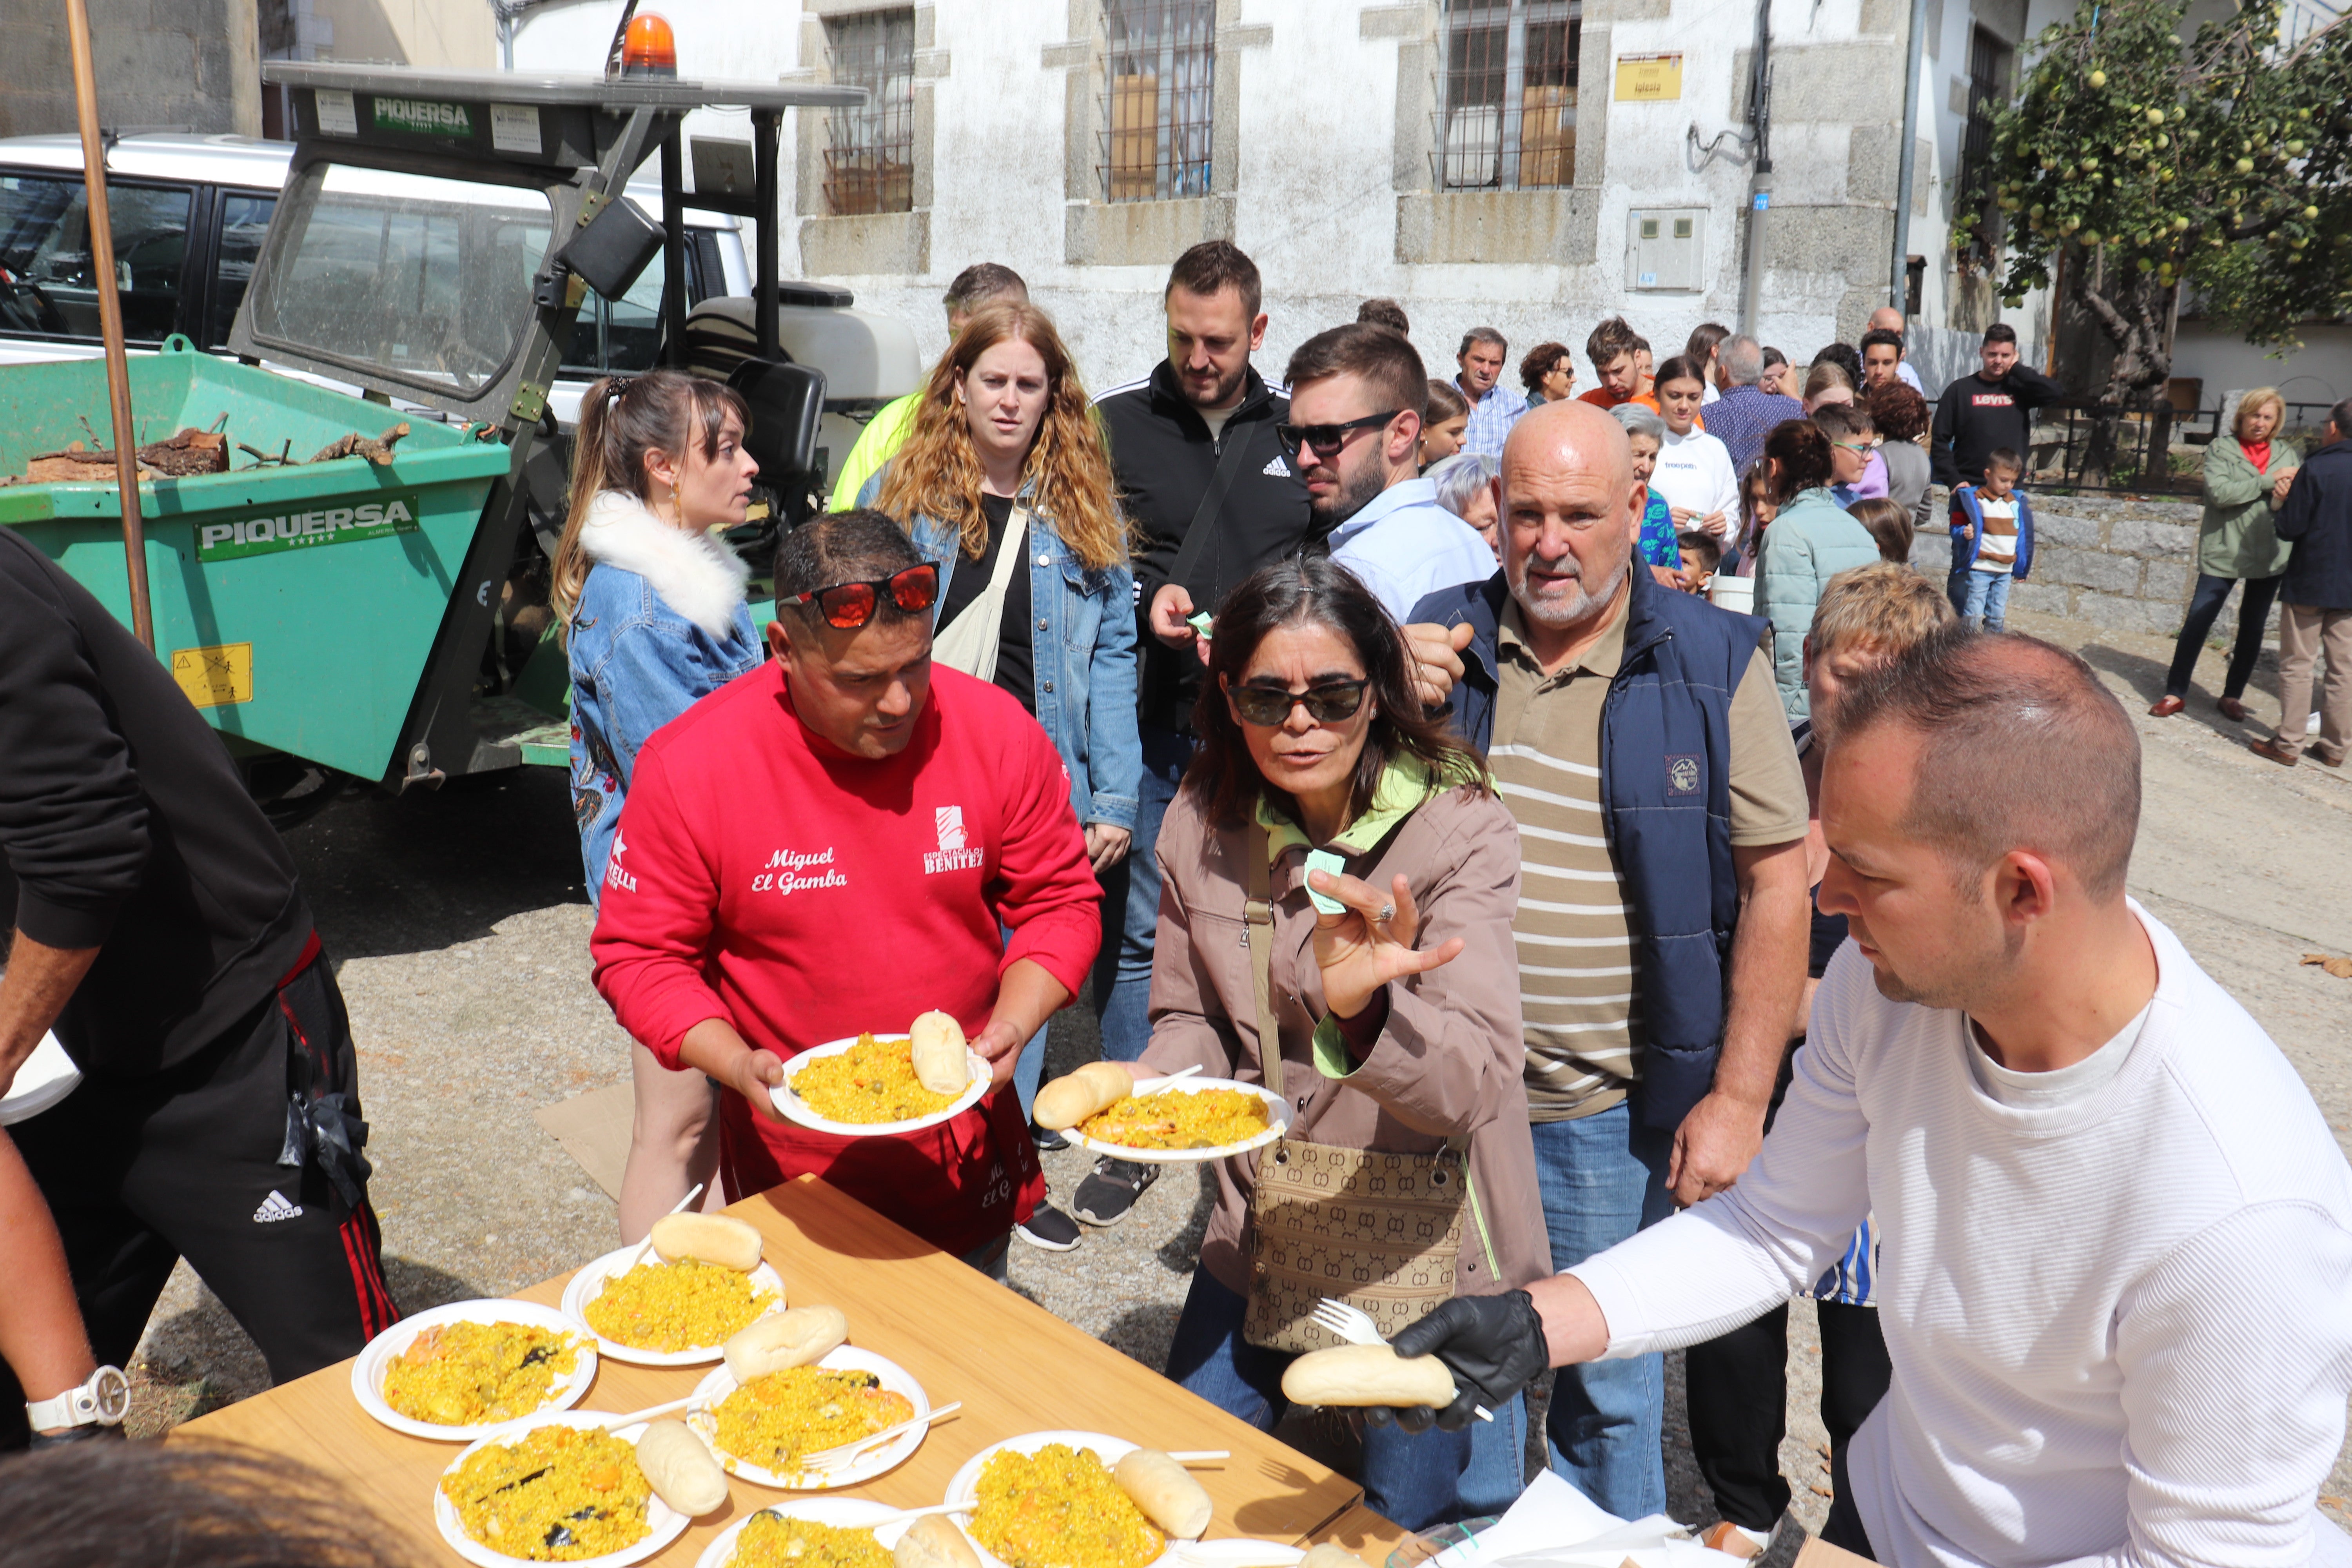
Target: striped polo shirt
<point x="1577" y="988"/>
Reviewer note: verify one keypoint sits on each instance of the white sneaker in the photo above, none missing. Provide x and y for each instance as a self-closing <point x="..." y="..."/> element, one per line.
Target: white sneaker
<point x="2311" y="725"/>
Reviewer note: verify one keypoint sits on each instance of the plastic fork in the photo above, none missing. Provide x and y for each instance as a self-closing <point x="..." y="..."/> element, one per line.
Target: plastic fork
<point x="850" y="1452"/>
<point x="1355" y="1325"/>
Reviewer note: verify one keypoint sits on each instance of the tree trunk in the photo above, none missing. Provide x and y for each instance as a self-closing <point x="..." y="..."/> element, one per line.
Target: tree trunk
<point x="2133" y="318"/>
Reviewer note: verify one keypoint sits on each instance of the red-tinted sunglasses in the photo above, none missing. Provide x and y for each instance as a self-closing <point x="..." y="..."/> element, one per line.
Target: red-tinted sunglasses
<point x="849" y="606"/>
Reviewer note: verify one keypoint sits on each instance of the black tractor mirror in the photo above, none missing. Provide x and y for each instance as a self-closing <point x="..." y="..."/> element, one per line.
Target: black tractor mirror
<point x="613" y="249"/>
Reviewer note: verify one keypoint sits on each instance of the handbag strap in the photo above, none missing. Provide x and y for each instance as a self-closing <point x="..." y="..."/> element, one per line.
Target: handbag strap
<point x="1213" y="501"/>
<point x="1257" y="914"/>
<point x="969" y="642"/>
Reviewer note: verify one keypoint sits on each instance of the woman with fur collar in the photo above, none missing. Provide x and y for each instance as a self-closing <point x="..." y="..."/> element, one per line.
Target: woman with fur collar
<point x="651" y="602"/>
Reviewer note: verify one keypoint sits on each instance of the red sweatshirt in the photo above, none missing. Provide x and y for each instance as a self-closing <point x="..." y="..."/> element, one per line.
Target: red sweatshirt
<point x="763" y="875"/>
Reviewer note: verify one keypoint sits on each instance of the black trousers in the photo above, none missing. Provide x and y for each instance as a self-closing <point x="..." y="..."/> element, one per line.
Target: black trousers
<point x="244" y="1160"/>
<point x="1738" y="1386"/>
<point x="2204" y="609"/>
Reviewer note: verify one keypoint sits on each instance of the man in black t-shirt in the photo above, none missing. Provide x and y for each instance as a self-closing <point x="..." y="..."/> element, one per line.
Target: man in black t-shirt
<point x="1978" y="415"/>
<point x="161" y="934"/>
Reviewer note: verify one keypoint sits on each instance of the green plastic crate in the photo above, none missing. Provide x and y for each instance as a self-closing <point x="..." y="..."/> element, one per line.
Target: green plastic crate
<point x="296" y="605"/>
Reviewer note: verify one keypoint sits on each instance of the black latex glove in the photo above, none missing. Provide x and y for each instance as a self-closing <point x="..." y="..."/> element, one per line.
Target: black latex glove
<point x="1493" y="1345"/>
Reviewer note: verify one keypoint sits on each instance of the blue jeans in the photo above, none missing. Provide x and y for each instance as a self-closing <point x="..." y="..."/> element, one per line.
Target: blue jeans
<point x="1981" y="596"/>
<point x="1420" y="1480"/>
<point x="1131" y="905"/>
<point x="1602" y="1178"/>
<point x="2204" y="609"/>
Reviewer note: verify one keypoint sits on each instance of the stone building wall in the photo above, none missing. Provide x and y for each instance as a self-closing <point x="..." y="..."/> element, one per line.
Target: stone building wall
<point x="191" y="64"/>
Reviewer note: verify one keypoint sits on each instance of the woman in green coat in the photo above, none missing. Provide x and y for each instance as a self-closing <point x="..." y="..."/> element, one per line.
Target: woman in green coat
<point x="2246" y="477"/>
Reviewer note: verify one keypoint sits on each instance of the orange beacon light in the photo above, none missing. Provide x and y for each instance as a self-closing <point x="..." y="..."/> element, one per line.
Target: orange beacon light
<point x="649" y="48"/>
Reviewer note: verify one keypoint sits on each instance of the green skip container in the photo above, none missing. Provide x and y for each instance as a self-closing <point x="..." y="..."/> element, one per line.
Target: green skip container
<point x="296" y="605"/>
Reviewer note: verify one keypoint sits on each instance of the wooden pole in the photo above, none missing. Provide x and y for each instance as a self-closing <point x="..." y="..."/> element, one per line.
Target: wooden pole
<point x="109" y="320"/>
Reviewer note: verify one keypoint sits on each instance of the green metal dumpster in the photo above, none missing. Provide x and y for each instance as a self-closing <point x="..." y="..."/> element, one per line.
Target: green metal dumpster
<point x="296" y="605"/>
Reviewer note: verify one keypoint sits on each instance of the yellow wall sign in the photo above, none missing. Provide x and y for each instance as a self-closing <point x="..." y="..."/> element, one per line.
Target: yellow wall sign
<point x="1649" y="78"/>
<point x="215" y="677"/>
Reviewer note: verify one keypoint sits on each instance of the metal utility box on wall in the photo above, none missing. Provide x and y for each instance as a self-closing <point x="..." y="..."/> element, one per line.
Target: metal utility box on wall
<point x="1665" y="249"/>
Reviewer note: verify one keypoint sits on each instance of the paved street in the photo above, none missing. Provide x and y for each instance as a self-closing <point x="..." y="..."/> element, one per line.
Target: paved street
<point x="460" y="932"/>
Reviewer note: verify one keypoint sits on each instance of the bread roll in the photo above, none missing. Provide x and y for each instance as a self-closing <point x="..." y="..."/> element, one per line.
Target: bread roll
<point x="932" y="1543"/>
<point x="782" y="1340"/>
<point x="717" y="1238"/>
<point x="1366" y="1374"/>
<point x="683" y="1471"/>
<point x="1329" y="1556"/>
<point x="937" y="1045"/>
<point x="1089" y="1091"/>
<point x="1168" y="1496"/>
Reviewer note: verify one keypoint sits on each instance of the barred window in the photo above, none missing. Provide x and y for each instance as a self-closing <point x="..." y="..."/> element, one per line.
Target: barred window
<point x="1507" y="118"/>
<point x="1163" y="63"/>
<point x="869" y="156"/>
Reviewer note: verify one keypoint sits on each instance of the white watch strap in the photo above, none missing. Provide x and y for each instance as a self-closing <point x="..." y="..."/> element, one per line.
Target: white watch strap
<point x="74" y="1407"/>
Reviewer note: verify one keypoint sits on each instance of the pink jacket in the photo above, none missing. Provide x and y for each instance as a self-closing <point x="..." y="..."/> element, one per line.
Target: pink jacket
<point x="1448" y="1061"/>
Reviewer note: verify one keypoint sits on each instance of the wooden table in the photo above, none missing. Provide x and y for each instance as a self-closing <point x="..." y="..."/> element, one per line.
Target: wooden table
<point x="1016" y="1367"/>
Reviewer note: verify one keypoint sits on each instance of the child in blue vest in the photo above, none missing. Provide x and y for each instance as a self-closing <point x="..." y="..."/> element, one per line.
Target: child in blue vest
<point x="1993" y="542"/>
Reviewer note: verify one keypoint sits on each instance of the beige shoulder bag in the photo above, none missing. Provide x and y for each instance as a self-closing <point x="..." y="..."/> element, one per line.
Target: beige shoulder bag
<point x="1380" y="1231"/>
<point x="969" y="644"/>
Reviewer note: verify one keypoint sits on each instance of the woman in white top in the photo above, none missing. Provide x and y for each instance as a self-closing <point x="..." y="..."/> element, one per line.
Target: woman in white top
<point x="1693" y="472"/>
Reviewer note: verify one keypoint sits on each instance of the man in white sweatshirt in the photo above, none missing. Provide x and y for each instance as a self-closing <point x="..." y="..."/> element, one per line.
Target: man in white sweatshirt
<point x="2115" y="1275"/>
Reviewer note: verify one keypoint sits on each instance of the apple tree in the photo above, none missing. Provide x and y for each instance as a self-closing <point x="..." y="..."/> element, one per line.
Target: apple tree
<point x="2150" y="162"/>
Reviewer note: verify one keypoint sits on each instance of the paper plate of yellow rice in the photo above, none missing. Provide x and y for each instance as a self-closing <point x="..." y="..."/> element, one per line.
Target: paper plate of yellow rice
<point x="453" y="1373"/>
<point x="1188" y="1121"/>
<point x="809" y="1532"/>
<point x="554" y="1489"/>
<point x="657" y="1313"/>
<point x="1048" y="1500"/>
<point x="758" y="1431"/>
<point x="866" y="1087"/>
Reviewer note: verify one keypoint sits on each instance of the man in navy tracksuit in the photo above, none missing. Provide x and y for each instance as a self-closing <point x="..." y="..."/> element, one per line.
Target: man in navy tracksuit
<point x="161" y="934"/>
<point x="1637" y="736"/>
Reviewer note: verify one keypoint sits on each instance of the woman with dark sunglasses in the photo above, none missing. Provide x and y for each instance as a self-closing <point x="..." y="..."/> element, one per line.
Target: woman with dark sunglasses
<point x="1005" y="482"/>
<point x="1398" y="1017"/>
<point x="652" y="609"/>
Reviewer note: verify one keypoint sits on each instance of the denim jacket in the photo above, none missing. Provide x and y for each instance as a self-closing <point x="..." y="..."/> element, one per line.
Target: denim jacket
<point x="1086" y="659"/>
<point x="639" y="659"/>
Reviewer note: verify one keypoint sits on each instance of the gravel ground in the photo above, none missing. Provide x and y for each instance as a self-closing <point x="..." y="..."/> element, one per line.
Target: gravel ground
<point x="459" y="933"/>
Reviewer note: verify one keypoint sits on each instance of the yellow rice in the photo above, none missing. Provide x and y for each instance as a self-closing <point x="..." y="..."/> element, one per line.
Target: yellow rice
<point x="1173" y="1119"/>
<point x="873" y="1080"/>
<point x="770" y="1541"/>
<point x="556" y="1494"/>
<point x="771" y="1421"/>
<point x="1060" y="1507"/>
<point x="468" y="1374"/>
<point x="670" y="1307"/>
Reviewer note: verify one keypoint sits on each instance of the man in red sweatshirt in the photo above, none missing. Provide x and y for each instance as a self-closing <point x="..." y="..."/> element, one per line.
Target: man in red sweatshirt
<point x="834" y="844"/>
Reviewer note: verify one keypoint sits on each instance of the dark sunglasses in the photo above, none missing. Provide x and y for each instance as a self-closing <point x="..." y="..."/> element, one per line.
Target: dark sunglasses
<point x="849" y="606"/>
<point x="1330" y="702"/>
<point x="1327" y="437"/>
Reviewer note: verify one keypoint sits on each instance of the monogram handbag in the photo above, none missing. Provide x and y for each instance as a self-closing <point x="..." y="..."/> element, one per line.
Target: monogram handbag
<point x="1378" y="1230"/>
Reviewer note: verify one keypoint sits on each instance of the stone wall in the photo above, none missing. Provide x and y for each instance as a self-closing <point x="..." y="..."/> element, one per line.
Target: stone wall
<point x="2121" y="561"/>
<point x="188" y="63"/>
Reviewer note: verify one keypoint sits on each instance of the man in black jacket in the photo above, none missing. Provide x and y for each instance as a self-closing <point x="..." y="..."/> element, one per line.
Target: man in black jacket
<point x="1979" y="415"/>
<point x="161" y="934"/>
<point x="2315" y="599"/>
<point x="1214" y="496"/>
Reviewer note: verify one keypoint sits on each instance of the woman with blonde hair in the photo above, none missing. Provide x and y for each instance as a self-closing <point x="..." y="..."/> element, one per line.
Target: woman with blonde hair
<point x="1005" y="480"/>
<point x="651" y="605"/>
<point x="2246" y="479"/>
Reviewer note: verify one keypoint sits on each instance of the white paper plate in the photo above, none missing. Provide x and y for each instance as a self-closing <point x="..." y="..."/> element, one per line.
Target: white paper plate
<point x="666" y="1523"/>
<point x="875" y="1461"/>
<point x="1277" y="1118"/>
<point x="48" y="1075"/>
<point x="845" y="1513"/>
<point x="589" y="1283"/>
<point x="797" y="1109"/>
<point x="1108" y="1449"/>
<point x="367" y="1369"/>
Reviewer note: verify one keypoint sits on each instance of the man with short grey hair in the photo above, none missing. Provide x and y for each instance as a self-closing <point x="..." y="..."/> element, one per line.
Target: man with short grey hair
<point x="1746" y="412"/>
<point x="1492" y="406"/>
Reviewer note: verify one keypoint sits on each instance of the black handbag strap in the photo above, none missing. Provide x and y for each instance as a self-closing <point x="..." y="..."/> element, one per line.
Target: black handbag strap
<point x="1213" y="501"/>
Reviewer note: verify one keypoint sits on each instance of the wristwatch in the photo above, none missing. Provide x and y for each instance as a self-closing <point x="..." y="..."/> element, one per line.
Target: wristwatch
<point x="103" y="1401"/>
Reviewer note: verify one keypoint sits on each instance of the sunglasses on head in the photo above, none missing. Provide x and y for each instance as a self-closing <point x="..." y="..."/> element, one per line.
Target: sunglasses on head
<point x="1327" y="439"/>
<point x="1328" y="702"/>
<point x="849" y="606"/>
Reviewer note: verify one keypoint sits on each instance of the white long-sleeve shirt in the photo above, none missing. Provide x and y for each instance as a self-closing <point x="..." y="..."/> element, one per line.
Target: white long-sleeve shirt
<point x="1694" y="473"/>
<point x="2120" y="1324"/>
